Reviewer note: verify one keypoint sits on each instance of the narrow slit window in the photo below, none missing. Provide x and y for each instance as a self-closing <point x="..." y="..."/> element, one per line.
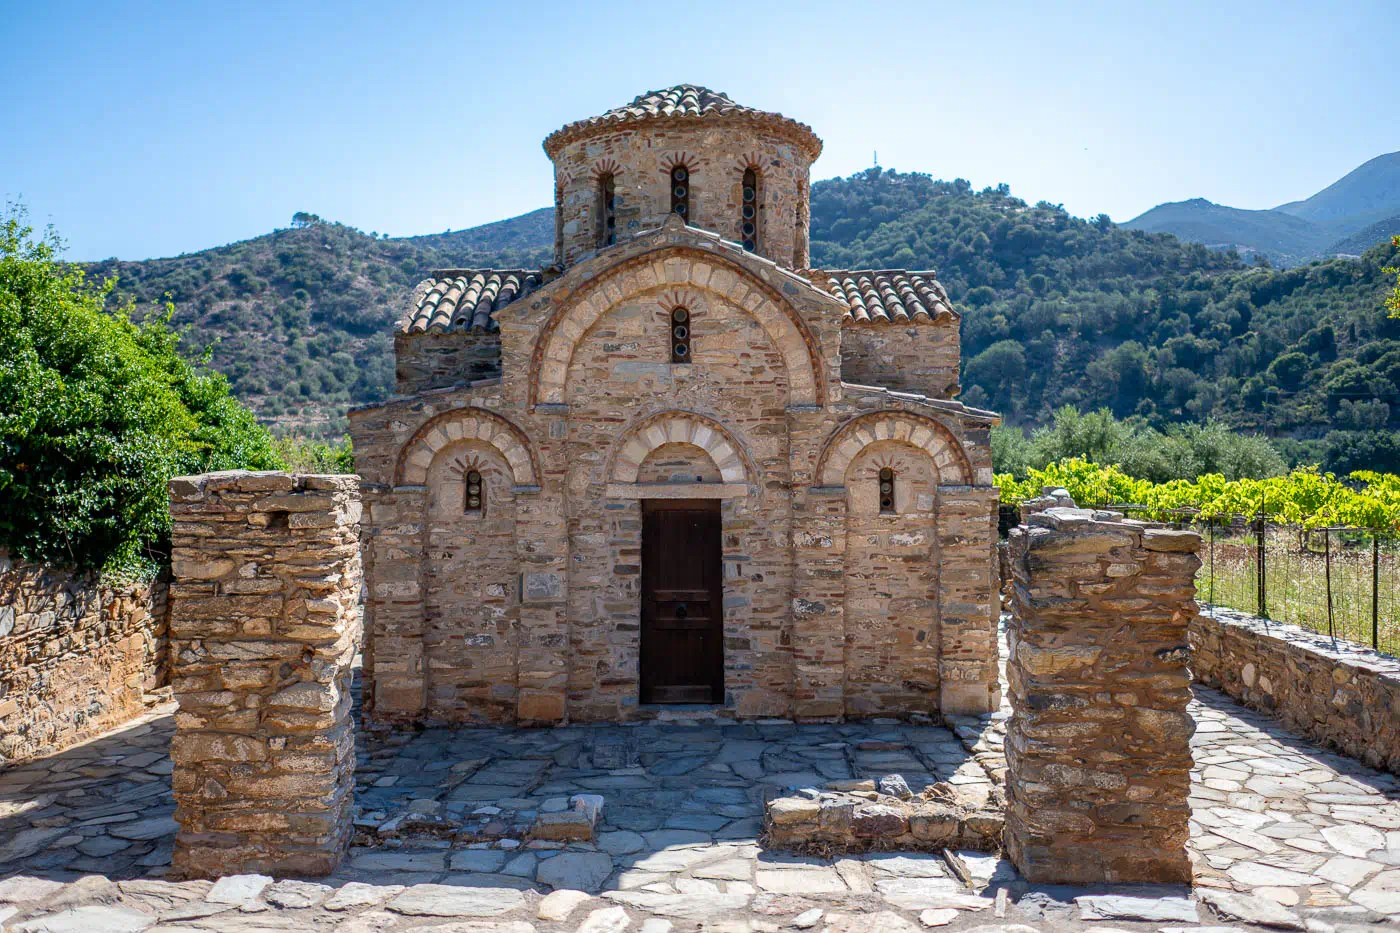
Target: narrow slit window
<point x="475" y="499"/>
<point x="748" y="212"/>
<point x="607" y="211"/>
<point x="887" y="491"/>
<point x="680" y="192"/>
<point x="680" y="336"/>
<point x="559" y="223"/>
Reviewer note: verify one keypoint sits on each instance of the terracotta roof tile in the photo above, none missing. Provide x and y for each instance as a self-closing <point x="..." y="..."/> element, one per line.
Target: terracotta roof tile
<point x="684" y="101"/>
<point x="888" y="296"/>
<point x="464" y="300"/>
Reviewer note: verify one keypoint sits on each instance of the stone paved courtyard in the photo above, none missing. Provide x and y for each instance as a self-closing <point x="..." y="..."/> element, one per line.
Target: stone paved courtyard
<point x="1283" y="834"/>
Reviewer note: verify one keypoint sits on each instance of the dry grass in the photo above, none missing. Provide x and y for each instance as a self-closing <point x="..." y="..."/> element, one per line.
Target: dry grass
<point x="1296" y="581"/>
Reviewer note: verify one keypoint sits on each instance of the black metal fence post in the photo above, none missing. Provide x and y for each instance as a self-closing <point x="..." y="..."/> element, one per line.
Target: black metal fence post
<point x="1263" y="604"/>
<point x="1376" y="591"/>
<point x="1327" y="576"/>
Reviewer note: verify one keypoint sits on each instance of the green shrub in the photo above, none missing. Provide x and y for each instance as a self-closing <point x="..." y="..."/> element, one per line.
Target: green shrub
<point x="311" y="455"/>
<point x="97" y="413"/>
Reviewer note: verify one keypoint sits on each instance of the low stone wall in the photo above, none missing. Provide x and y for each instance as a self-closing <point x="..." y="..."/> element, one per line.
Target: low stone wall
<point x="265" y="620"/>
<point x="1341" y="694"/>
<point x="1098" y="746"/>
<point x="866" y="815"/>
<point x="77" y="656"/>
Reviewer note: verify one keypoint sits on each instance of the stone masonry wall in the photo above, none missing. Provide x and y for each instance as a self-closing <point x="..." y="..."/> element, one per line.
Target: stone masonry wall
<point x="922" y="358"/>
<point x="591" y="416"/>
<point x="1098" y="746"/>
<point x="436" y="361"/>
<point x="1341" y="694"/>
<point x="77" y="655"/>
<point x="264" y="626"/>
<point x="716" y="157"/>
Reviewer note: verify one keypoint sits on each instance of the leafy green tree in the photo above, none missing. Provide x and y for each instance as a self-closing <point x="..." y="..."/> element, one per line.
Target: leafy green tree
<point x="1392" y="303"/>
<point x="97" y="413"/>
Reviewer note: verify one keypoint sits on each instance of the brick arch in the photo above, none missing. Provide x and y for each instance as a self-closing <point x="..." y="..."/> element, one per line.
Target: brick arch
<point x="463" y="424"/>
<point x="679" y="427"/>
<point x="916" y="430"/>
<point x="554" y="348"/>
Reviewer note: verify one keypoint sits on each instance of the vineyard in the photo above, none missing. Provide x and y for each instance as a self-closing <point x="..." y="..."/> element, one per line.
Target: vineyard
<point x="1305" y="548"/>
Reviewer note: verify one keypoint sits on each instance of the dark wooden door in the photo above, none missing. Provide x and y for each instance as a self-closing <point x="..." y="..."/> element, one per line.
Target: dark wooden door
<point x="682" y="602"/>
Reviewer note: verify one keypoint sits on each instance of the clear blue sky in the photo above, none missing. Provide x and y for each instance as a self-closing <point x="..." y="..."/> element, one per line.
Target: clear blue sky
<point x="150" y="129"/>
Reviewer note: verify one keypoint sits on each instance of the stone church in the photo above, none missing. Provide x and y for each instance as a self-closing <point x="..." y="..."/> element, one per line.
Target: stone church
<point x="677" y="465"/>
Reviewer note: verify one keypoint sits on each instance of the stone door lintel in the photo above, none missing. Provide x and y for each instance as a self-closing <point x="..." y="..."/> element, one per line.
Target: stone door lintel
<point x="676" y="490"/>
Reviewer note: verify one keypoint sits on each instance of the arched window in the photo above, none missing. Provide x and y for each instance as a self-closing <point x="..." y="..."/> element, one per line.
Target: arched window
<point x="680" y="192"/>
<point x="474" y="502"/>
<point x="680" y="335"/>
<point x="886" y="491"/>
<point x="748" y="211"/>
<point x="607" y="210"/>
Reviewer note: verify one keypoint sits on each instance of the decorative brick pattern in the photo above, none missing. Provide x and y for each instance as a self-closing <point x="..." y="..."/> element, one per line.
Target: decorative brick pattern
<point x="77" y="656"/>
<point x="1098" y="747"/>
<point x="264" y="626"/>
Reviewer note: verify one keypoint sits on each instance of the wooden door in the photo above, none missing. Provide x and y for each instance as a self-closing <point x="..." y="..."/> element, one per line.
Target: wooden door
<point x="682" y="656"/>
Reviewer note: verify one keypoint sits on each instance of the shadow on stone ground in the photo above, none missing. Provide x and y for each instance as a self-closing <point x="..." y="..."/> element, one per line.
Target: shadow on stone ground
<point x="1302" y="833"/>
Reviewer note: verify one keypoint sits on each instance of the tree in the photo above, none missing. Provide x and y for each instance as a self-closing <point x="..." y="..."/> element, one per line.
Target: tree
<point x="304" y="219"/>
<point x="97" y="413"/>
<point x="1393" y="302"/>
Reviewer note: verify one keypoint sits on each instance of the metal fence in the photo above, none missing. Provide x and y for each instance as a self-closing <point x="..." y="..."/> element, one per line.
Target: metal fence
<point x="1339" y="581"/>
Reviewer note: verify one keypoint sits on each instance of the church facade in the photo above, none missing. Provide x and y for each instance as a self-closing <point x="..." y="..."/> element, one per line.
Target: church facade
<point x="678" y="465"/>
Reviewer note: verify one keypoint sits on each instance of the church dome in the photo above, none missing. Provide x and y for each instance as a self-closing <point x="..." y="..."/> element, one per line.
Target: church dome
<point x="684" y="103"/>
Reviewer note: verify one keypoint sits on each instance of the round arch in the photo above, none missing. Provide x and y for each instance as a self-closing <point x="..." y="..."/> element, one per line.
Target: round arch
<point x="554" y="348"/>
<point x="466" y="424"/>
<point x="917" y="430"/>
<point x="679" y="427"/>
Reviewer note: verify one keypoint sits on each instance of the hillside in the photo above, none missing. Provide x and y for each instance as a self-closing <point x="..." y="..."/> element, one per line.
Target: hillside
<point x="1056" y="310"/>
<point x="1348" y="217"/>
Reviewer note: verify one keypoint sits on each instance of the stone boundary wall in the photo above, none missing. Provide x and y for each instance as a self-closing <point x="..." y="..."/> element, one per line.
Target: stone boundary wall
<point x="77" y="656"/>
<point x="265" y="621"/>
<point x="1341" y="694"/>
<point x="1098" y="746"/>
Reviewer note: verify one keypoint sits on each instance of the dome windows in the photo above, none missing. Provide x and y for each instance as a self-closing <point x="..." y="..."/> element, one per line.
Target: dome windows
<point x="607" y="210"/>
<point x="748" y="211"/>
<point x="680" y="191"/>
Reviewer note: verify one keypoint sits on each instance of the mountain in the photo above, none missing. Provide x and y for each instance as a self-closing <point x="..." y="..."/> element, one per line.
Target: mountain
<point x="1337" y="220"/>
<point x="1363" y="196"/>
<point x="1056" y="310"/>
<point x="1284" y="238"/>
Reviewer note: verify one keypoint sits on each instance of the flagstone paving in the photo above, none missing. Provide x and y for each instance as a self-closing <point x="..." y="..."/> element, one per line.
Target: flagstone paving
<point x="1284" y="834"/>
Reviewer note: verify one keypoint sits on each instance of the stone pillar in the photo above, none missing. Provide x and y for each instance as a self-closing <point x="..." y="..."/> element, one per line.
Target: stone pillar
<point x="1098" y="747"/>
<point x="819" y="603"/>
<point x="264" y="625"/>
<point x="968" y="605"/>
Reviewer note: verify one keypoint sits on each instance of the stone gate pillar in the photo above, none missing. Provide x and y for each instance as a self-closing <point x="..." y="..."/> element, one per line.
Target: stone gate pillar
<point x="1098" y="747"/>
<point x="264" y="625"/>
